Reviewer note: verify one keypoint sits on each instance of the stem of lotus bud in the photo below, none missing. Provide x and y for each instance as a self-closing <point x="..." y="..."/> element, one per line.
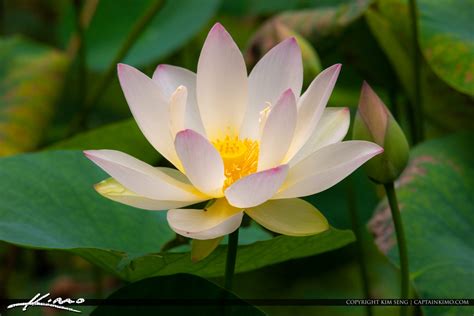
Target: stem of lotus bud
<point x="402" y="246"/>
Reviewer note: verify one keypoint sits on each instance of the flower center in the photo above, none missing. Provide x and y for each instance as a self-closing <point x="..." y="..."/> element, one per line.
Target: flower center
<point x="240" y="157"/>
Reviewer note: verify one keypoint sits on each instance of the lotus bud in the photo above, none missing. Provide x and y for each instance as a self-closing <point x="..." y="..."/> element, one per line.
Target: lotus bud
<point x="375" y="123"/>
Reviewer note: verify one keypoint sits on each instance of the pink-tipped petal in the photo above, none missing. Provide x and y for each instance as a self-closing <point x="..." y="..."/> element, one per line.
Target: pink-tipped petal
<point x="311" y="106"/>
<point x="278" y="132"/>
<point x="256" y="188"/>
<point x="150" y="109"/>
<point x="280" y="69"/>
<point x="326" y="167"/>
<point x="202" y="163"/>
<point x="221" y="84"/>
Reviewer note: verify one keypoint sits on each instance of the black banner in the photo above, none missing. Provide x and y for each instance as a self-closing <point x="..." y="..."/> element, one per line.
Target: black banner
<point x="257" y="302"/>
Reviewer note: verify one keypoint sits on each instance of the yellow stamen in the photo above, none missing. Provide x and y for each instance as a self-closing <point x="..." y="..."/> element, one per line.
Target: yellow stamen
<point x="240" y="157"/>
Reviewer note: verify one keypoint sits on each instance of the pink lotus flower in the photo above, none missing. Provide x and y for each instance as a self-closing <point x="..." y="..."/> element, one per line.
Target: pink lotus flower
<point x="251" y="143"/>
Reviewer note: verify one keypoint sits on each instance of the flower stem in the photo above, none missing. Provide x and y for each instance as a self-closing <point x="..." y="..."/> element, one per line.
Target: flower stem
<point x="230" y="261"/>
<point x="402" y="246"/>
<point x="417" y="106"/>
<point x="103" y="84"/>
<point x="359" y="243"/>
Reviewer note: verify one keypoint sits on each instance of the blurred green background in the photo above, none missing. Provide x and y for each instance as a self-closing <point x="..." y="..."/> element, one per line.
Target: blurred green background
<point x="59" y="90"/>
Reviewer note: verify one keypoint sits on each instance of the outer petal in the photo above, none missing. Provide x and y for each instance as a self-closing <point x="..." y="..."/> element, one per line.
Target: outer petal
<point x="200" y="249"/>
<point x="292" y="217"/>
<point x="326" y="167"/>
<point x="280" y="69"/>
<point x="278" y="131"/>
<point x="113" y="190"/>
<point x="332" y="128"/>
<point x="218" y="220"/>
<point x="150" y="109"/>
<point x="221" y="84"/>
<point x="256" y="188"/>
<point x="143" y="179"/>
<point x="311" y="107"/>
<point x="201" y="161"/>
<point x="169" y="78"/>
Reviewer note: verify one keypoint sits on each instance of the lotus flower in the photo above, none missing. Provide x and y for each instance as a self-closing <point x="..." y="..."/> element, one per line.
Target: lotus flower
<point x="247" y="143"/>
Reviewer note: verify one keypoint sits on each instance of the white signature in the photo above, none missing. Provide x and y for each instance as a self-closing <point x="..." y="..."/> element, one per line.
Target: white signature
<point x="58" y="303"/>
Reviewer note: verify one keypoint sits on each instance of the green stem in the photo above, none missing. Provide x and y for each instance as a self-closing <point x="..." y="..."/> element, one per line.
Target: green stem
<point x="402" y="246"/>
<point x="359" y="243"/>
<point x="417" y="102"/>
<point x="230" y="261"/>
<point x="104" y="83"/>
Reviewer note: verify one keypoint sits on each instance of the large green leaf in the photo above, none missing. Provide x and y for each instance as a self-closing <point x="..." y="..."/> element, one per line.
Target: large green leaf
<point x="435" y="197"/>
<point x="447" y="40"/>
<point x="173" y="25"/>
<point x="30" y="79"/>
<point x="47" y="201"/>
<point x="178" y="294"/>
<point x="123" y="136"/>
<point x="445" y="109"/>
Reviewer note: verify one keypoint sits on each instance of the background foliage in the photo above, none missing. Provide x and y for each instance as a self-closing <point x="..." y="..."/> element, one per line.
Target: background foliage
<point x="54" y="55"/>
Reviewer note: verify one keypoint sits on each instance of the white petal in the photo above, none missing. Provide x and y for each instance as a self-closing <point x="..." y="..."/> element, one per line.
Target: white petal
<point x="201" y="161"/>
<point x="218" y="220"/>
<point x="326" y="167"/>
<point x="177" y="108"/>
<point x="150" y="109"/>
<point x="115" y="191"/>
<point x="256" y="188"/>
<point x="280" y="69"/>
<point x="311" y="106"/>
<point x="169" y="78"/>
<point x="141" y="178"/>
<point x="278" y="132"/>
<point x="221" y="84"/>
<point x="292" y="217"/>
<point x="332" y="128"/>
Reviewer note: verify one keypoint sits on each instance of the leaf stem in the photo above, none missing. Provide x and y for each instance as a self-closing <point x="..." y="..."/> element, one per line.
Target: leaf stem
<point x="402" y="246"/>
<point x="417" y="102"/>
<point x="105" y="81"/>
<point x="230" y="261"/>
<point x="359" y="243"/>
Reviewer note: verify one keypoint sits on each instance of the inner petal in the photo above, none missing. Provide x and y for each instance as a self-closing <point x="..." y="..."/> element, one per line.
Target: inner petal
<point x="240" y="157"/>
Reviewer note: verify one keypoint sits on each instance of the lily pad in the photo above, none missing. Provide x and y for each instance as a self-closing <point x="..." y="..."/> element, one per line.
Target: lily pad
<point x="123" y="136"/>
<point x="48" y="202"/>
<point x="447" y="40"/>
<point x="445" y="109"/>
<point x="435" y="197"/>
